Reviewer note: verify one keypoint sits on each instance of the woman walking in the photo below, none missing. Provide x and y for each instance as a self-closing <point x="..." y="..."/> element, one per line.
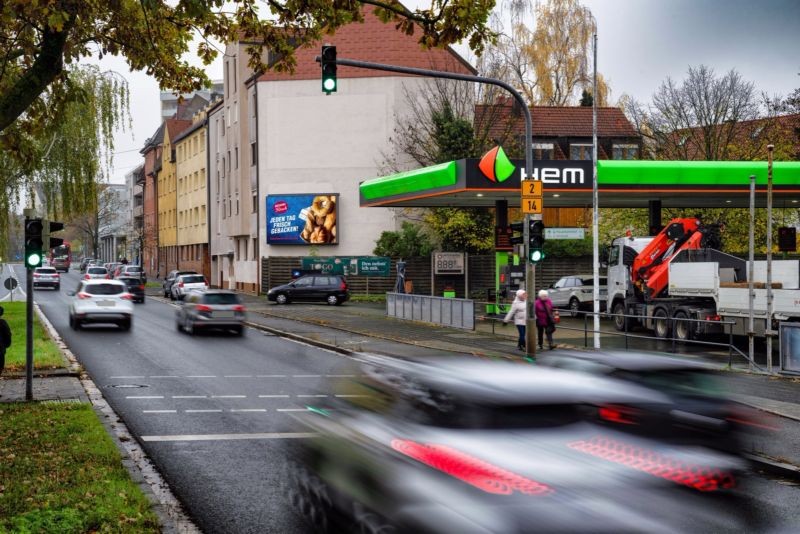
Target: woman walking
<point x="519" y="314"/>
<point x="545" y="323"/>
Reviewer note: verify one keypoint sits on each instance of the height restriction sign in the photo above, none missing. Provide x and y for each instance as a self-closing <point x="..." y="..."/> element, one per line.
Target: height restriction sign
<point x="531" y="201"/>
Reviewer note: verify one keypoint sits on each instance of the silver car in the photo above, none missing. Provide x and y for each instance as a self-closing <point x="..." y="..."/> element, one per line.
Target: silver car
<point x="96" y="273"/>
<point x="46" y="277"/>
<point x="187" y="282"/>
<point x="101" y="301"/>
<point x="576" y="292"/>
<point x="213" y="309"/>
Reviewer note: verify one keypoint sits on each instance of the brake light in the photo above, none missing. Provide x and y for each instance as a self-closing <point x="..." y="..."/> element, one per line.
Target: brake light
<point x="83" y="295"/>
<point x="713" y="318"/>
<point x="57" y="275"/>
<point x="180" y="284"/>
<point x="108" y="277"/>
<point x="203" y="308"/>
<point x="474" y="471"/>
<point x="343" y="285"/>
<point x="624" y="415"/>
<point x="238" y="308"/>
<point x="141" y="287"/>
<point x="36" y="275"/>
<point x="126" y="296"/>
<point x="86" y="277"/>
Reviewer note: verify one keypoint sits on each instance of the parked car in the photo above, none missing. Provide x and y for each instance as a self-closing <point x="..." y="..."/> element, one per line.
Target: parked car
<point x="699" y="412"/>
<point x="95" y="272"/>
<point x="186" y="283"/>
<point x="101" y="301"/>
<point x="215" y="309"/>
<point x="468" y="445"/>
<point x="130" y="270"/>
<point x="166" y="285"/>
<point x="134" y="285"/>
<point x="330" y="288"/>
<point x="576" y="293"/>
<point x="46" y="277"/>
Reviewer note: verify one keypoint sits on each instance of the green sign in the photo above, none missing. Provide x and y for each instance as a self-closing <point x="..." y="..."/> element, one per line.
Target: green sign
<point x="349" y="265"/>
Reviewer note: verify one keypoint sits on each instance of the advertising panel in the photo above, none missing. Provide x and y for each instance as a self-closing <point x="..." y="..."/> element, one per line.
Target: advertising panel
<point x="302" y="219"/>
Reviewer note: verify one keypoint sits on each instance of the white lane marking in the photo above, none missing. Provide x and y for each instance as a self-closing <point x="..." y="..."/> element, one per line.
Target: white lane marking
<point x="291" y="410"/>
<point x="221" y="437"/>
<point x="248" y="410"/>
<point x="228" y="396"/>
<point x="238" y="376"/>
<point x="311" y="396"/>
<point x="201" y="376"/>
<point x="273" y="396"/>
<point x="164" y="376"/>
<point x="340" y="376"/>
<point x="306" y="376"/>
<point x="144" y="397"/>
<point x="351" y="396"/>
<point x="203" y="411"/>
<point x="159" y="411"/>
<point x="188" y="396"/>
<point x="125" y="377"/>
<point x="270" y="376"/>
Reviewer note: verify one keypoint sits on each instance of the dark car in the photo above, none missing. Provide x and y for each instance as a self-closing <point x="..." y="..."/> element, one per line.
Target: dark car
<point x="135" y="287"/>
<point x="468" y="445"/>
<point x="85" y="262"/>
<point x="330" y="288"/>
<point x="215" y="309"/>
<point x="166" y="285"/>
<point x="699" y="411"/>
<point x="46" y="277"/>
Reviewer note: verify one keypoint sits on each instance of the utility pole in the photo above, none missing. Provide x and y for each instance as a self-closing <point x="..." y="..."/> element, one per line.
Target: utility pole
<point x="770" y="308"/>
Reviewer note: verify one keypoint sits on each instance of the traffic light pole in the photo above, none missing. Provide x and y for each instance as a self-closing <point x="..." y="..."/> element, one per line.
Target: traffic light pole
<point x="530" y="271"/>
<point x="29" y="335"/>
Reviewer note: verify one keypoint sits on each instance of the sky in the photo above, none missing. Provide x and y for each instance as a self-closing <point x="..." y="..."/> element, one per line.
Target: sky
<point x="640" y="44"/>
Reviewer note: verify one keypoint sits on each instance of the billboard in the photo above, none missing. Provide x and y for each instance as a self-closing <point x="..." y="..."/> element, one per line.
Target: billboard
<point x="302" y="219"/>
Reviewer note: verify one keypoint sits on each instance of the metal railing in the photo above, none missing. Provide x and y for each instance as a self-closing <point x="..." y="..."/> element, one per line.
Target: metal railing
<point x="457" y="313"/>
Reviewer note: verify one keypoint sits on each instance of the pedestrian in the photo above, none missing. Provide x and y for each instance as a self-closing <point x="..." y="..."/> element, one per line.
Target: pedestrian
<point x="519" y="314"/>
<point x="545" y="321"/>
<point x="5" y="339"/>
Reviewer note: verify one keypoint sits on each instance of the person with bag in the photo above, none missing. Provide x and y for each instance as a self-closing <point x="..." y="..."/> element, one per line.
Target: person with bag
<point x="5" y="339"/>
<point x="519" y="314"/>
<point x="545" y="319"/>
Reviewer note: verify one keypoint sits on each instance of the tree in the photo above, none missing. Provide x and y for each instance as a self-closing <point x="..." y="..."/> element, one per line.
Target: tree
<point x="587" y="100"/>
<point x="411" y="241"/>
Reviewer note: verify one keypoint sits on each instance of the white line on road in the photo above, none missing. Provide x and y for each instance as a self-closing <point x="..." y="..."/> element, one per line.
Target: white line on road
<point x="306" y="376"/>
<point x="340" y="376"/>
<point x="222" y="437"/>
<point x="311" y="396"/>
<point x="228" y="396"/>
<point x="164" y="376"/>
<point x="144" y="397"/>
<point x="273" y="396"/>
<point x="291" y="410"/>
<point x="270" y="376"/>
<point x="201" y="376"/>
<point x="188" y="396"/>
<point x="248" y="410"/>
<point x="203" y="411"/>
<point x="238" y="376"/>
<point x="159" y="411"/>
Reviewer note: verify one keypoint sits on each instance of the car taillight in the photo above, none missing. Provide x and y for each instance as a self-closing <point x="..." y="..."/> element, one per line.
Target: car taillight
<point x="180" y="284"/>
<point x="126" y="296"/>
<point x="749" y="417"/>
<point x="108" y="277"/>
<point x="624" y="415"/>
<point x="86" y="277"/>
<point x="203" y="308"/>
<point x="238" y="308"/>
<point x="36" y="275"/>
<point x="57" y="275"/>
<point x="342" y="285"/>
<point x="141" y="287"/>
<point x="83" y="295"/>
<point x="713" y="318"/>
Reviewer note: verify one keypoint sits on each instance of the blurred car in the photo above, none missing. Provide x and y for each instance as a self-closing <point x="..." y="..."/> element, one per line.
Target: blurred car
<point x="330" y="288"/>
<point x="699" y="411"/>
<point x="46" y="277"/>
<point x="576" y="293"/>
<point x="468" y="445"/>
<point x="94" y="272"/>
<point x="110" y="267"/>
<point x="186" y="283"/>
<point x="101" y="301"/>
<point x="84" y="263"/>
<point x="61" y="263"/>
<point x="130" y="270"/>
<point x="215" y="309"/>
<point x="166" y="285"/>
<point x="135" y="287"/>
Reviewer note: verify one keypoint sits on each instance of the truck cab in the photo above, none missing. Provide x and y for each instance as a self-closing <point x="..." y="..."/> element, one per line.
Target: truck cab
<point x="621" y="253"/>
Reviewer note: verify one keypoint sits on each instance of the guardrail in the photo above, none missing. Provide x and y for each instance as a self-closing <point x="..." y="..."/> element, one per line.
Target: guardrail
<point x="457" y="313"/>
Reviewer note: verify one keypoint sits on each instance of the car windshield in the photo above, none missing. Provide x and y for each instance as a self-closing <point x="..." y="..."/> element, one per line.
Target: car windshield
<point x="97" y="270"/>
<point x="469" y="415"/>
<point x="198" y="279"/>
<point x="133" y="269"/>
<point x="104" y="289"/>
<point x="45" y="271"/>
<point x="590" y="281"/>
<point x="221" y="298"/>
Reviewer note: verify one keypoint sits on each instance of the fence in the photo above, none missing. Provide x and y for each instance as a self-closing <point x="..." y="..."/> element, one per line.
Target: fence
<point x="457" y="313"/>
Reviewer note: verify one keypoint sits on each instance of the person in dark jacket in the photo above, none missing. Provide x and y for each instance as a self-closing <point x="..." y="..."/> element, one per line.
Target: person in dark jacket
<point x="5" y="339"/>
<point x="545" y="322"/>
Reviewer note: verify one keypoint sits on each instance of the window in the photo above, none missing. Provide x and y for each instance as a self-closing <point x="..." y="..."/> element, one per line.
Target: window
<point x="304" y="282"/>
<point x="236" y="158"/>
<point x="580" y="151"/>
<point x="253" y="154"/>
<point x="255" y="247"/>
<point x="543" y="150"/>
<point x="622" y="151"/>
<point x="255" y="204"/>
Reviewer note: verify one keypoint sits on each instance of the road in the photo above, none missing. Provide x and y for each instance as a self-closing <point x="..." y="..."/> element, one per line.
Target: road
<point x="214" y="413"/>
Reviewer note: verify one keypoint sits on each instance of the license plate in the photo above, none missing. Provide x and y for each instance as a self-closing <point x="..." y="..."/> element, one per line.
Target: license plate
<point x="223" y="314"/>
<point x="106" y="303"/>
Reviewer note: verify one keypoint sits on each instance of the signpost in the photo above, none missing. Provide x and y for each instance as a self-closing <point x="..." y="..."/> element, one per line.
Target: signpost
<point x="564" y="233"/>
<point x="448" y="263"/>
<point x="531" y="200"/>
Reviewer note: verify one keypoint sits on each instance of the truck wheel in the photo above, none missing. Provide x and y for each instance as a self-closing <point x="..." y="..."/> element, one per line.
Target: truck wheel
<point x="618" y="312"/>
<point x="661" y="323"/>
<point x="683" y="328"/>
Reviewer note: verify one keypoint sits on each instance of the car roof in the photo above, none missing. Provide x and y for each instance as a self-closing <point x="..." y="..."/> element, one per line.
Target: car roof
<point x="635" y="360"/>
<point x="48" y="268"/>
<point x="95" y="281"/>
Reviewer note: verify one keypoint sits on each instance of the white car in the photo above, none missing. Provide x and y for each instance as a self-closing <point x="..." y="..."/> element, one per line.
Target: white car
<point x="101" y="301"/>
<point x="187" y="282"/>
<point x="46" y="277"/>
<point x="96" y="273"/>
<point x="576" y="292"/>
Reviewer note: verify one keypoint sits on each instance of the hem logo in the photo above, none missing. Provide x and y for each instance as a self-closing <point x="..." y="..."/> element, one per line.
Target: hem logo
<point x="552" y="175"/>
<point x="495" y="165"/>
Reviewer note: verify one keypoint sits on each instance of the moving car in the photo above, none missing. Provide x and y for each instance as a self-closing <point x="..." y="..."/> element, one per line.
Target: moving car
<point x="96" y="272"/>
<point x="134" y="285"/>
<point x="85" y="262"/>
<point x="215" y="309"/>
<point x="46" y="277"/>
<point x="130" y="270"/>
<point x="468" y="445"/>
<point x="330" y="288"/>
<point x="186" y="283"/>
<point x="698" y="412"/>
<point x="166" y="285"/>
<point x="61" y="263"/>
<point x="101" y="301"/>
<point x="576" y="293"/>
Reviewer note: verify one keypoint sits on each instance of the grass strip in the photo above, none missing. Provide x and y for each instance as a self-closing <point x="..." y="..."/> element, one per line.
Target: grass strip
<point x="46" y="354"/>
<point x="60" y="472"/>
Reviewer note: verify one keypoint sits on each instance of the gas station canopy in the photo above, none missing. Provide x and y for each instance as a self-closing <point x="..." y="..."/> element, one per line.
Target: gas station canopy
<point x="568" y="183"/>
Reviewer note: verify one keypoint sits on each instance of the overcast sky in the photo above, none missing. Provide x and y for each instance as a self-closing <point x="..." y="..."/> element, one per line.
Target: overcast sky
<point x="640" y="43"/>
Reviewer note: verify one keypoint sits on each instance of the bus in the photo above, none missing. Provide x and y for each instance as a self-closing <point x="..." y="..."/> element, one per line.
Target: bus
<point x="61" y="257"/>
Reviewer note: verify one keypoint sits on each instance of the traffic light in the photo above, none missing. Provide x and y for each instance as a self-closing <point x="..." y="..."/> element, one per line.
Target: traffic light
<point x="53" y="226"/>
<point x="33" y="243"/>
<point x="517" y="227"/>
<point x="328" y="69"/>
<point x="536" y="241"/>
<point x="787" y="239"/>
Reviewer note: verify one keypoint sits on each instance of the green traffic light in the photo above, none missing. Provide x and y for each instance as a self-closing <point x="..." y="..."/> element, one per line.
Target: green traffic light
<point x="537" y="255"/>
<point x="329" y="84"/>
<point x="34" y="259"/>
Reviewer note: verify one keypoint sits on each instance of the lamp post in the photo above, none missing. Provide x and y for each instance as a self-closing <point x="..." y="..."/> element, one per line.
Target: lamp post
<point x="595" y="230"/>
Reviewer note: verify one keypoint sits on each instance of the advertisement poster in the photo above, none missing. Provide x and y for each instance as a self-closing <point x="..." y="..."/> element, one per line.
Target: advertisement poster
<point x="302" y="219"/>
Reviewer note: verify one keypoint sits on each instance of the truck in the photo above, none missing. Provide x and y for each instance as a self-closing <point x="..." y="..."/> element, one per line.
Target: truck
<point x="679" y="284"/>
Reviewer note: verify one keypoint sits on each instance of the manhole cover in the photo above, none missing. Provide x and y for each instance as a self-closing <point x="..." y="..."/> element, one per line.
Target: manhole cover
<point x="127" y="386"/>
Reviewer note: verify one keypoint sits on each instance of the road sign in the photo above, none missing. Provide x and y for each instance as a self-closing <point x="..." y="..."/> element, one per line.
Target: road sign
<point x="448" y="263"/>
<point x="531" y="197"/>
<point x="532" y="205"/>
<point x="10" y="283"/>
<point x="531" y="188"/>
<point x="564" y="233"/>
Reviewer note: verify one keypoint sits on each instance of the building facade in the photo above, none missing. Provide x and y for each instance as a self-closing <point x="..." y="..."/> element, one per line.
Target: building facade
<point x="220" y="243"/>
<point x="166" y="187"/>
<point x="152" y="157"/>
<point x="114" y="222"/>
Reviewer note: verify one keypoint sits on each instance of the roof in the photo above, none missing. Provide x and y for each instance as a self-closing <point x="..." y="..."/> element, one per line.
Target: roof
<point x="156" y="139"/>
<point x="553" y="121"/>
<point x="176" y="126"/>
<point x="189" y="131"/>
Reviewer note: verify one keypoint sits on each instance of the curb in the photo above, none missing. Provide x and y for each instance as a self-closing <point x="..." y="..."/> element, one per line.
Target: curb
<point x="774" y="466"/>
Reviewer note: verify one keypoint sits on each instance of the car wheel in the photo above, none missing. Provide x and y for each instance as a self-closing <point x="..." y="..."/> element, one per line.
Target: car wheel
<point x="239" y="331"/>
<point x="127" y="324"/>
<point x="281" y="298"/>
<point x="661" y="324"/>
<point x="178" y="326"/>
<point x="73" y="323"/>
<point x="683" y="328"/>
<point x="189" y="327"/>
<point x="58" y="288"/>
<point x="621" y="323"/>
<point x="333" y="300"/>
<point x="574" y="306"/>
<point x="309" y="495"/>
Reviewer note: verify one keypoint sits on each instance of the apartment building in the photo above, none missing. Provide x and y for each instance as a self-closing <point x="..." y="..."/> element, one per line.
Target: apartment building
<point x="166" y="190"/>
<point x="220" y="243"/>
